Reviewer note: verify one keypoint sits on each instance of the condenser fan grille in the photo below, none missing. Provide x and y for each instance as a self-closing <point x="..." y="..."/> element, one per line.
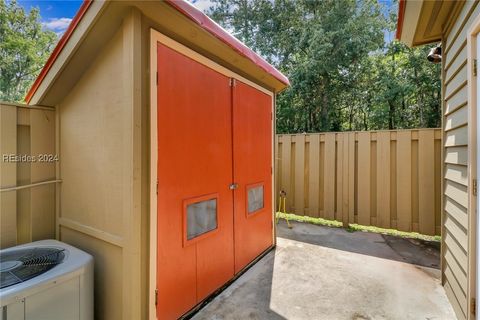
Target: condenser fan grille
<point x="23" y="264"/>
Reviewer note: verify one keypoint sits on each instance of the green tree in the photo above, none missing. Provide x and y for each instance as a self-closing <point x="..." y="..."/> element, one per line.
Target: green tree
<point x="315" y="43"/>
<point x="24" y="48"/>
<point x="343" y="74"/>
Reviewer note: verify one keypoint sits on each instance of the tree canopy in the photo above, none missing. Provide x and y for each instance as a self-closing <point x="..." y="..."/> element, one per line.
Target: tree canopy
<point x="344" y="73"/>
<point x="24" y="48"/>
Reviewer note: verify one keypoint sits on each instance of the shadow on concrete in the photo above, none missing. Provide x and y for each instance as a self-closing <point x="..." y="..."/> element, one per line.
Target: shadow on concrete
<point x="328" y="273"/>
<point x="248" y="297"/>
<point x="413" y="251"/>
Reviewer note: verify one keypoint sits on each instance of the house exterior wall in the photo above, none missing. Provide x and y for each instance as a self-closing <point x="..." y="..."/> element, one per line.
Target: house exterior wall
<point x="456" y="255"/>
<point x="100" y="202"/>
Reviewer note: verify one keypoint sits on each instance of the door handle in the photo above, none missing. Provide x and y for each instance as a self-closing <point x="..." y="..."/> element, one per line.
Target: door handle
<point x="233" y="186"/>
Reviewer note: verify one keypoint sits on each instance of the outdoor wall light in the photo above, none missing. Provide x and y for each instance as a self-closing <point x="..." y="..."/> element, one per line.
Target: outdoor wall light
<point x="435" y="54"/>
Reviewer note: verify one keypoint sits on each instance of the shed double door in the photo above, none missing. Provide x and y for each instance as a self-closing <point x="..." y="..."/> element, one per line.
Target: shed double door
<point x="214" y="204"/>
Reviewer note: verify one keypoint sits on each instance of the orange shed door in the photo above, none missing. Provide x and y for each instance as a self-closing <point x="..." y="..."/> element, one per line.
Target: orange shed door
<point x="252" y="134"/>
<point x="210" y="134"/>
<point x="195" y="204"/>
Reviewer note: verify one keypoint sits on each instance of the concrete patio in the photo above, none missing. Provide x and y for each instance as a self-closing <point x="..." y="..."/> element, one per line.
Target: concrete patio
<point x="318" y="272"/>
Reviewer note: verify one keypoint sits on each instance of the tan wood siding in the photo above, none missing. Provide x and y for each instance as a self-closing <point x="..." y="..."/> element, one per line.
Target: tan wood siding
<point x="455" y="170"/>
<point x="452" y="287"/>
<point x="456" y="173"/>
<point x="456" y="137"/>
<point x="456" y="100"/>
<point x="456" y="155"/>
<point x="457" y="64"/>
<point x="101" y="140"/>
<point x="456" y="119"/>
<point x="457" y="251"/>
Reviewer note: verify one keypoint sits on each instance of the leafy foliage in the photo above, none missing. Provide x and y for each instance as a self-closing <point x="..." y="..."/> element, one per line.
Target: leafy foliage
<point x="344" y="74"/>
<point x="24" y="48"/>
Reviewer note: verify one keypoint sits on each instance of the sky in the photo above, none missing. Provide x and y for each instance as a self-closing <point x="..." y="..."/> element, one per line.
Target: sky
<point x="56" y="15"/>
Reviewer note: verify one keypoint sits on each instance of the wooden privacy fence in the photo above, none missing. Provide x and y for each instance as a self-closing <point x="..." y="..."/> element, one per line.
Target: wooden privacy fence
<point x="27" y="196"/>
<point x="388" y="179"/>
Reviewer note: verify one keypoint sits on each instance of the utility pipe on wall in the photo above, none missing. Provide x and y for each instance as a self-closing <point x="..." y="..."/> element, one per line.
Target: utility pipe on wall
<point x="29" y="185"/>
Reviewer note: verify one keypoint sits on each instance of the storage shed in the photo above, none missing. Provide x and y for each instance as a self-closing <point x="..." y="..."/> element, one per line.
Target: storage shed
<point x="164" y="130"/>
<point x="455" y="25"/>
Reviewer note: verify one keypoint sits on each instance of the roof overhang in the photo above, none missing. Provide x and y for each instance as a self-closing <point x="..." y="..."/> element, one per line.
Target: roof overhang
<point x="424" y="21"/>
<point x="97" y="21"/>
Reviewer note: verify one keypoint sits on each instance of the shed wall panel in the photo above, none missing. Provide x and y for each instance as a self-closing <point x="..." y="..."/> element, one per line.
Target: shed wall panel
<point x="101" y="138"/>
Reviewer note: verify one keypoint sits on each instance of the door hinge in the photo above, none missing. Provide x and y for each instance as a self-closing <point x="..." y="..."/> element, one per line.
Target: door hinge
<point x="156" y="297"/>
<point x="474" y="187"/>
<point x="232" y="82"/>
<point x="473" y="305"/>
<point x="475" y="67"/>
<point x="156" y="77"/>
<point x="156" y="188"/>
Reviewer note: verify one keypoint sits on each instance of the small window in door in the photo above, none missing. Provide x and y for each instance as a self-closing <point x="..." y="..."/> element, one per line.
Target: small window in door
<point x="255" y="198"/>
<point x="201" y="217"/>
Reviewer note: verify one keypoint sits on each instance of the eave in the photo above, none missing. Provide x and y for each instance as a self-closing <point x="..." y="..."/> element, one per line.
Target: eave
<point x="424" y="21"/>
<point x="96" y="21"/>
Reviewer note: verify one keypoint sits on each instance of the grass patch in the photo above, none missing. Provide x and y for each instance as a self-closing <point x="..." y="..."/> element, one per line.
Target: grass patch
<point x="356" y="227"/>
<point x="311" y="220"/>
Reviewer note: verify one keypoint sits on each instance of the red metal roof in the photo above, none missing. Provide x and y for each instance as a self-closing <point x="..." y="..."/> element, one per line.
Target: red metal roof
<point x="401" y="15"/>
<point x="211" y="26"/>
<point x="186" y="9"/>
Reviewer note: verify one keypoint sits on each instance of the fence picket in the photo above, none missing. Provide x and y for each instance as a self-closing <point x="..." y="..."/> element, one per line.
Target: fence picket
<point x="299" y="201"/>
<point x="351" y="177"/>
<point x="286" y="168"/>
<point x="426" y="182"/>
<point x="314" y="176"/>
<point x="383" y="179"/>
<point x="345" y="189"/>
<point x="363" y="178"/>
<point x="339" y="179"/>
<point x="404" y="180"/>
<point x="329" y="176"/>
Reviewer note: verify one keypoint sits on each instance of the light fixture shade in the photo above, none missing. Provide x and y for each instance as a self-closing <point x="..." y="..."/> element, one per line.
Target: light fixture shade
<point x="435" y="54"/>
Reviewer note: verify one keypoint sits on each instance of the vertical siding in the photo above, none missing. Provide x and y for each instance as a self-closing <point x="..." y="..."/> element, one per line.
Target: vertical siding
<point x="26" y="214"/>
<point x="456" y="182"/>
<point x="103" y="180"/>
<point x="93" y="141"/>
